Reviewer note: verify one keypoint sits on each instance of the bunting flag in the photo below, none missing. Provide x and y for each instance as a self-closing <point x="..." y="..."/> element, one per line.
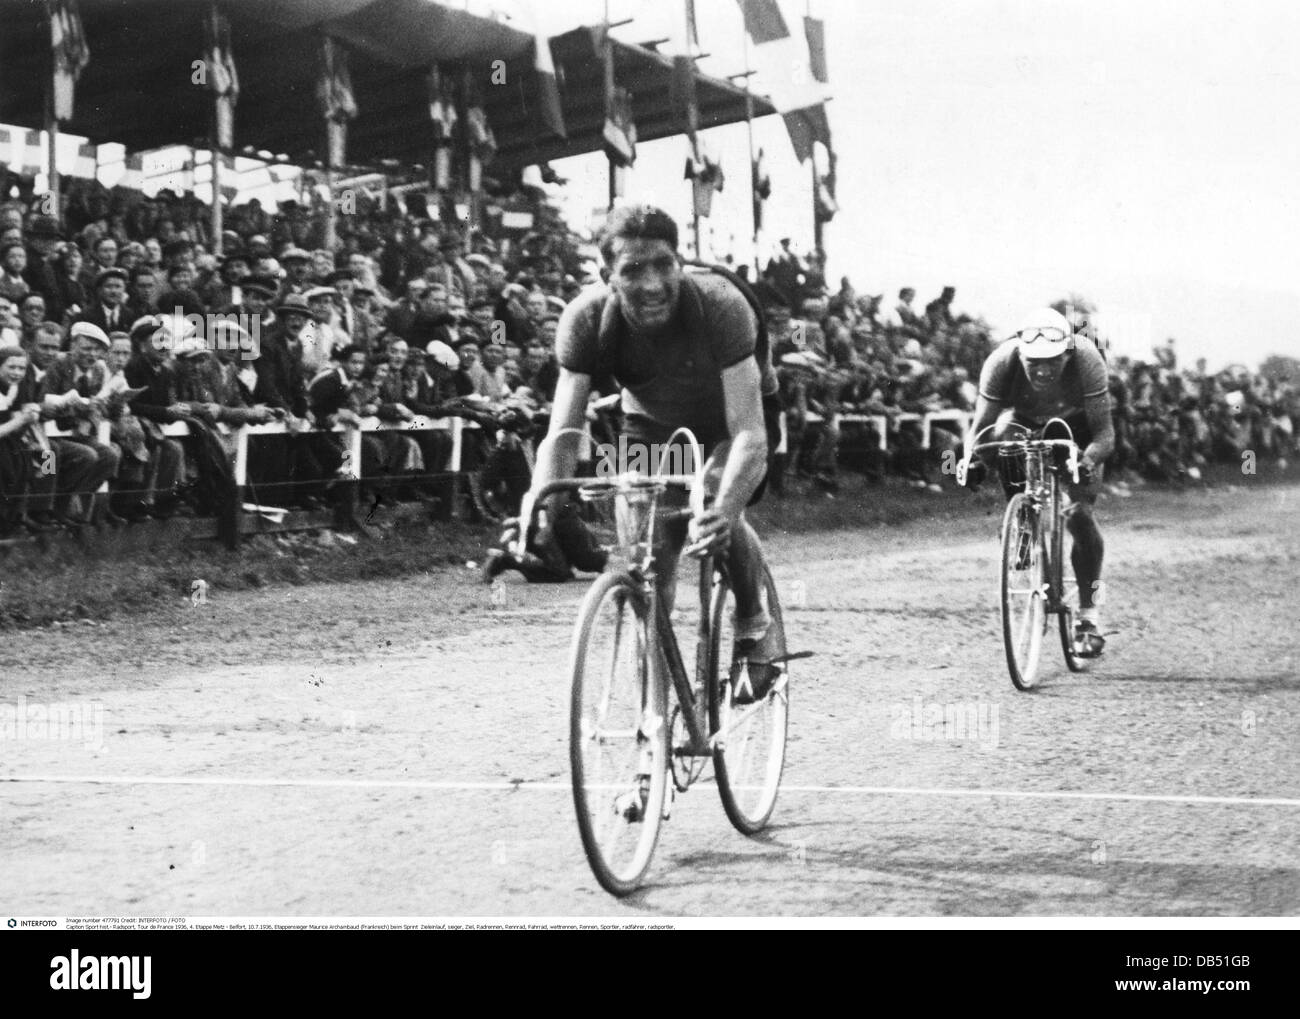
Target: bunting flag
<point x="229" y="192"/>
<point x="682" y="95"/>
<point x="334" y="94"/>
<point x="762" y="187"/>
<point x="620" y="130"/>
<point x="71" y="54"/>
<point x="442" y="113"/>
<point x="86" y="162"/>
<point x="133" y="175"/>
<point x="706" y="177"/>
<point x="793" y="77"/>
<point x="480" y="141"/>
<point x="826" y="206"/>
<point x="33" y="154"/>
<point x="548" y="87"/>
<point x="223" y="79"/>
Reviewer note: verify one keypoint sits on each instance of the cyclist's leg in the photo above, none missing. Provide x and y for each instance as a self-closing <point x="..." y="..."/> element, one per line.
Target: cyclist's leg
<point x="1087" y="548"/>
<point x="744" y="556"/>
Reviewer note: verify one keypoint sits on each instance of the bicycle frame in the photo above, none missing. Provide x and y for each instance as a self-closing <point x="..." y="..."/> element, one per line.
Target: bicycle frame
<point x="637" y="514"/>
<point x="1043" y="489"/>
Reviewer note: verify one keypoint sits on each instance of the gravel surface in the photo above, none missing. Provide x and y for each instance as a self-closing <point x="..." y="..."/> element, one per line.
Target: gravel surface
<point x="399" y="747"/>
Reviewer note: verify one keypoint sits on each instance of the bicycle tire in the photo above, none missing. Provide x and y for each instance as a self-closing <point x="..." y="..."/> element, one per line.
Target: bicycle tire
<point x="749" y="740"/>
<point x="626" y="692"/>
<point x="1022" y="640"/>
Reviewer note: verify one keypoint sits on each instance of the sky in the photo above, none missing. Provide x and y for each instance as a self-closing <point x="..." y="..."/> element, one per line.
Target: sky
<point x="1144" y="154"/>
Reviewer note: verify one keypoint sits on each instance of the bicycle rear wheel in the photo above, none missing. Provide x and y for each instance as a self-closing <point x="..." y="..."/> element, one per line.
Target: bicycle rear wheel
<point x="1024" y="612"/>
<point x="618" y="734"/>
<point x="749" y="739"/>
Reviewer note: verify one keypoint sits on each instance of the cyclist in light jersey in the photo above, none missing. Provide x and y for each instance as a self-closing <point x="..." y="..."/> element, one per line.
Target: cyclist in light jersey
<point x="1045" y="371"/>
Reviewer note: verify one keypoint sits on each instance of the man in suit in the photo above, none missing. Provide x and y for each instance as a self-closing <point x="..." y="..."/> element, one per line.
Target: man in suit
<point x="226" y="291"/>
<point x="42" y="239"/>
<point x="82" y="372"/>
<point x="148" y="369"/>
<point x="75" y="465"/>
<point x="109" y="311"/>
<point x="354" y="321"/>
<point x="142" y="293"/>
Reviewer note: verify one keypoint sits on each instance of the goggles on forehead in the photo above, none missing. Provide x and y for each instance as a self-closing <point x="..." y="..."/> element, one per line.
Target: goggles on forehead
<point x="1048" y="334"/>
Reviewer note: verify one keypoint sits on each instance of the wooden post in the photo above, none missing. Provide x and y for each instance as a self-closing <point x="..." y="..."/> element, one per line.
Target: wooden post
<point x="52" y="145"/>
<point x="215" y="150"/>
<point x="817" y="220"/>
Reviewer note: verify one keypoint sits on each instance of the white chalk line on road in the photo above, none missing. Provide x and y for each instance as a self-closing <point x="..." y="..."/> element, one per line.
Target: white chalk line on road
<point x="524" y="784"/>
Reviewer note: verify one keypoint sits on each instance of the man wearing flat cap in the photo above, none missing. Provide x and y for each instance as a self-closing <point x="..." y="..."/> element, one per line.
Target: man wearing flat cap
<point x="81" y="371"/>
<point x="297" y="269"/>
<point x="349" y="319"/>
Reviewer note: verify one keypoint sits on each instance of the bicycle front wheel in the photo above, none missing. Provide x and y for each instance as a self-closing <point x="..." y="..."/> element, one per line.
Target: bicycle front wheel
<point x="618" y="734"/>
<point x="1024" y="610"/>
<point x="1067" y="592"/>
<point x="749" y="738"/>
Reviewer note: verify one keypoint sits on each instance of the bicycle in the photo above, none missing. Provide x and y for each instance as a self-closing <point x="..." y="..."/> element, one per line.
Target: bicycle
<point x="1033" y="584"/>
<point x="627" y="737"/>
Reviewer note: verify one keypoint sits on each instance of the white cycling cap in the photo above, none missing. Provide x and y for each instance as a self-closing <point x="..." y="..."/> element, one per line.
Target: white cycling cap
<point x="1044" y="333"/>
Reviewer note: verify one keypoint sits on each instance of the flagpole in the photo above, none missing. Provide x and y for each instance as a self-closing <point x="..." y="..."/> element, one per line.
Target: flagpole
<point x="216" y="181"/>
<point x="817" y="220"/>
<point x="749" y="131"/>
<point x="52" y="136"/>
<point x="607" y="59"/>
<point x="52" y="144"/>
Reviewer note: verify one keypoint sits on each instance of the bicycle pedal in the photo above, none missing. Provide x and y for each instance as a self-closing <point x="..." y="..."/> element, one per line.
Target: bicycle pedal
<point x="792" y="656"/>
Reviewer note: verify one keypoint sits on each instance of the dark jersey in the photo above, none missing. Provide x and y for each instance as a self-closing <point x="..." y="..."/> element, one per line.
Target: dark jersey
<point x="672" y="379"/>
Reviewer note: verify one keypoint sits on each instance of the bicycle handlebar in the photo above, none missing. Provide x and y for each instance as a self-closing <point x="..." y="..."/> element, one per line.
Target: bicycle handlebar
<point x="1071" y="463"/>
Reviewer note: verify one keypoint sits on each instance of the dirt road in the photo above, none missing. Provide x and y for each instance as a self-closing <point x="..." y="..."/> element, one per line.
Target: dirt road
<point x="399" y="748"/>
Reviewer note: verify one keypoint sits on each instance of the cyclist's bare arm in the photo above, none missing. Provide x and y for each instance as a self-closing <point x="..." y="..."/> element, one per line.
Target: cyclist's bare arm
<point x="986" y="412"/>
<point x="747" y="456"/>
<point x="1097" y="408"/>
<point x="558" y="458"/>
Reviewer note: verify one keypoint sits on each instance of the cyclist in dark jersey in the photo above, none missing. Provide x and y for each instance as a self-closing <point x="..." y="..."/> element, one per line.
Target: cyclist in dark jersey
<point x="683" y="348"/>
<point x="1046" y="372"/>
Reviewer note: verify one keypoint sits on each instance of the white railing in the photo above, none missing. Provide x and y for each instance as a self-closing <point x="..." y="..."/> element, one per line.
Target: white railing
<point x="242" y="433"/>
<point x="882" y="423"/>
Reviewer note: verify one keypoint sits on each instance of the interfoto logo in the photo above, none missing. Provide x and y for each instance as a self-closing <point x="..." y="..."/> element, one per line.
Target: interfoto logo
<point x="72" y="972"/>
<point x="184" y="332"/>
<point x="80" y="722"/>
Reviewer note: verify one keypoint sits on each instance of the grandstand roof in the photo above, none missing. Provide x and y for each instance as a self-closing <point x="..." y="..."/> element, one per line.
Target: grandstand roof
<point x="137" y="88"/>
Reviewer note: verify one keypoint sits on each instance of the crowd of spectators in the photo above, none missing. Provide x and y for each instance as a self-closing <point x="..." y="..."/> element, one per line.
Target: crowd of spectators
<point x="843" y="357"/>
<point x="123" y="314"/>
<point x="406" y="318"/>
